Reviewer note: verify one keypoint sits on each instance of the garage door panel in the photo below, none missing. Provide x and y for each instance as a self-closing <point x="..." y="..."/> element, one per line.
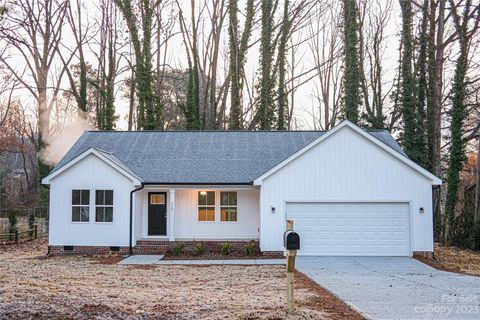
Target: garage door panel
<point x="352" y="228"/>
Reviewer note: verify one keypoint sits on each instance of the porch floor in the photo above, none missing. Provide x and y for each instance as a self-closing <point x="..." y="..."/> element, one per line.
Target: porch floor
<point x="157" y="259"/>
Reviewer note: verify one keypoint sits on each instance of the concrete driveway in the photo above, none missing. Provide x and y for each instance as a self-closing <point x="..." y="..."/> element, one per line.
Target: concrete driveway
<point x="395" y="287"/>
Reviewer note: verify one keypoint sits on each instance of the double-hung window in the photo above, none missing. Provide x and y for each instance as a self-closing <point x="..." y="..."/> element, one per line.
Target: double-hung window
<point x="228" y="206"/>
<point x="206" y="206"/>
<point x="103" y="205"/>
<point x="80" y="205"/>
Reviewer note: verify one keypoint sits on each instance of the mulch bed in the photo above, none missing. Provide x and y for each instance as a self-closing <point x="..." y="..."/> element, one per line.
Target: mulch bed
<point x="453" y="259"/>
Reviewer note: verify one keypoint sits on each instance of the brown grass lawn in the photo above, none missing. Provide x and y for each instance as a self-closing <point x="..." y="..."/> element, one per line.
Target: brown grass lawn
<point x="77" y="287"/>
<point x="454" y="259"/>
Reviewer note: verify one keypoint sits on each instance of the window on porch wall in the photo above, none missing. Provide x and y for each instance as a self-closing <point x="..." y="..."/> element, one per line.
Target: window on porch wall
<point x="228" y="206"/>
<point x="206" y="206"/>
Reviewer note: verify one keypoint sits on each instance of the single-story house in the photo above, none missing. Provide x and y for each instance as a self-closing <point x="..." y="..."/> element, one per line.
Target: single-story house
<point x="349" y="191"/>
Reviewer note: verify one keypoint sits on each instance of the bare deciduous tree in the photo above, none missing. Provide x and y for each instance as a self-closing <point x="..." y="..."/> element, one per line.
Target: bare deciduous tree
<point x="32" y="31"/>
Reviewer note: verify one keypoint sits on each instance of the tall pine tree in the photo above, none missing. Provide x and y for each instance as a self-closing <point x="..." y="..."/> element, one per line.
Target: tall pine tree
<point x="351" y="75"/>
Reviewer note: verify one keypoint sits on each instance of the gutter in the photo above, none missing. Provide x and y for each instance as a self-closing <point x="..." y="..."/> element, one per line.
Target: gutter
<point x="131" y="217"/>
<point x="197" y="183"/>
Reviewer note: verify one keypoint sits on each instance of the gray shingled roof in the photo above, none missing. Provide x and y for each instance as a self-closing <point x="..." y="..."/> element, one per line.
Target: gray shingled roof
<point x="200" y="156"/>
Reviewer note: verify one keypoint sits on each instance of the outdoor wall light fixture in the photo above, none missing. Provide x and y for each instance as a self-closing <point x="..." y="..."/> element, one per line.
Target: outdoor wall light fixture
<point x="273" y="209"/>
<point x="421" y="210"/>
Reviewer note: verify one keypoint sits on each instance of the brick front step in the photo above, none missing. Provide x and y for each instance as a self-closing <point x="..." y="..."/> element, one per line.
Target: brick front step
<point x="152" y="242"/>
<point x="149" y="251"/>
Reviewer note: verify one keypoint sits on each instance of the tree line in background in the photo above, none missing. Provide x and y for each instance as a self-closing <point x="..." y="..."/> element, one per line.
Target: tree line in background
<point x="244" y="65"/>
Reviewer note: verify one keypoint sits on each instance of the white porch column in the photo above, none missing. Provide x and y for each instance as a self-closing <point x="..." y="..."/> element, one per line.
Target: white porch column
<point x="171" y="217"/>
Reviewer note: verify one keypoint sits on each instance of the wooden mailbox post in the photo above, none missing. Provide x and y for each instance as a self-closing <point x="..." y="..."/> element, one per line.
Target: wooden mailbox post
<point x="292" y="244"/>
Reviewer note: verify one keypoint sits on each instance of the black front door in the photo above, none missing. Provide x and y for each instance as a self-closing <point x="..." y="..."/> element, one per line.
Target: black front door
<point x="157" y="213"/>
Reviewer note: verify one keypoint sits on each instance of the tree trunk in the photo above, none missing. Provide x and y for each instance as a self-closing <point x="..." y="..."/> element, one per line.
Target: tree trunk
<point x="131" y="106"/>
<point x="434" y="102"/>
<point x="352" y="78"/>
<point x="282" y="60"/>
<point x="436" y="135"/>
<point x="477" y="187"/>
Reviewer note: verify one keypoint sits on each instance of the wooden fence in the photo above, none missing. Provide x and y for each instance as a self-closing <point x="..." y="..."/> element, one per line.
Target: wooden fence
<point x="26" y="235"/>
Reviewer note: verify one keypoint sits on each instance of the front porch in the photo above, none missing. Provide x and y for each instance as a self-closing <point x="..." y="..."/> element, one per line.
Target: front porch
<point x="211" y="215"/>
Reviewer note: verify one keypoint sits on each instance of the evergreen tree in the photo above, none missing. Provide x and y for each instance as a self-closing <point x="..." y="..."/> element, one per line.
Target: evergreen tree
<point x="408" y="99"/>
<point x="238" y="46"/>
<point x="282" y="90"/>
<point x="351" y="76"/>
<point x="235" y="103"/>
<point x="192" y="103"/>
<point x="192" y="110"/>
<point x="147" y="112"/>
<point x="265" y="114"/>
<point x="430" y="107"/>
<point x="422" y="89"/>
<point x="458" y="115"/>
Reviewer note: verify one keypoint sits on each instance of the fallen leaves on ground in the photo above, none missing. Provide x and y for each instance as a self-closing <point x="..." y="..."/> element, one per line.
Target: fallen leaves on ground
<point x="454" y="259"/>
<point x="79" y="287"/>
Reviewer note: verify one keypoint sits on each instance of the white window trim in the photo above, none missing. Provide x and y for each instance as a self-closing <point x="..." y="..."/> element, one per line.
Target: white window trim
<point x="214" y="206"/>
<point x="218" y="207"/>
<point x="80" y="206"/>
<point x="104" y="206"/>
<point x="229" y="206"/>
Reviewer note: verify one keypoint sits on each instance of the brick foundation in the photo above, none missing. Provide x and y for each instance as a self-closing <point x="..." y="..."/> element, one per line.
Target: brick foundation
<point x="153" y="247"/>
<point x="425" y="254"/>
<point x="89" y="250"/>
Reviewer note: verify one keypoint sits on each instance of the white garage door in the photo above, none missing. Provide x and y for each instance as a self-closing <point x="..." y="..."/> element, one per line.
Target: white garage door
<point x="351" y="229"/>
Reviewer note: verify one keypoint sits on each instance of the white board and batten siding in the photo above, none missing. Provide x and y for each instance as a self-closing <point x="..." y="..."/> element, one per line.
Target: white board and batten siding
<point x="347" y="168"/>
<point x="187" y="225"/>
<point x="91" y="173"/>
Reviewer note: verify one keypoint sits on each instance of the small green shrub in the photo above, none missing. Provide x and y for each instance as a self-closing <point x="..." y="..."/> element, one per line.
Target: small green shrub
<point x="250" y="249"/>
<point x="198" y="250"/>
<point x="178" y="249"/>
<point x="226" y="248"/>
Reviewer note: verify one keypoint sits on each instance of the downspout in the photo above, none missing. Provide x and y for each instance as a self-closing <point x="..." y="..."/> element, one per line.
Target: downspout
<point x="48" y="227"/>
<point x="131" y="216"/>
